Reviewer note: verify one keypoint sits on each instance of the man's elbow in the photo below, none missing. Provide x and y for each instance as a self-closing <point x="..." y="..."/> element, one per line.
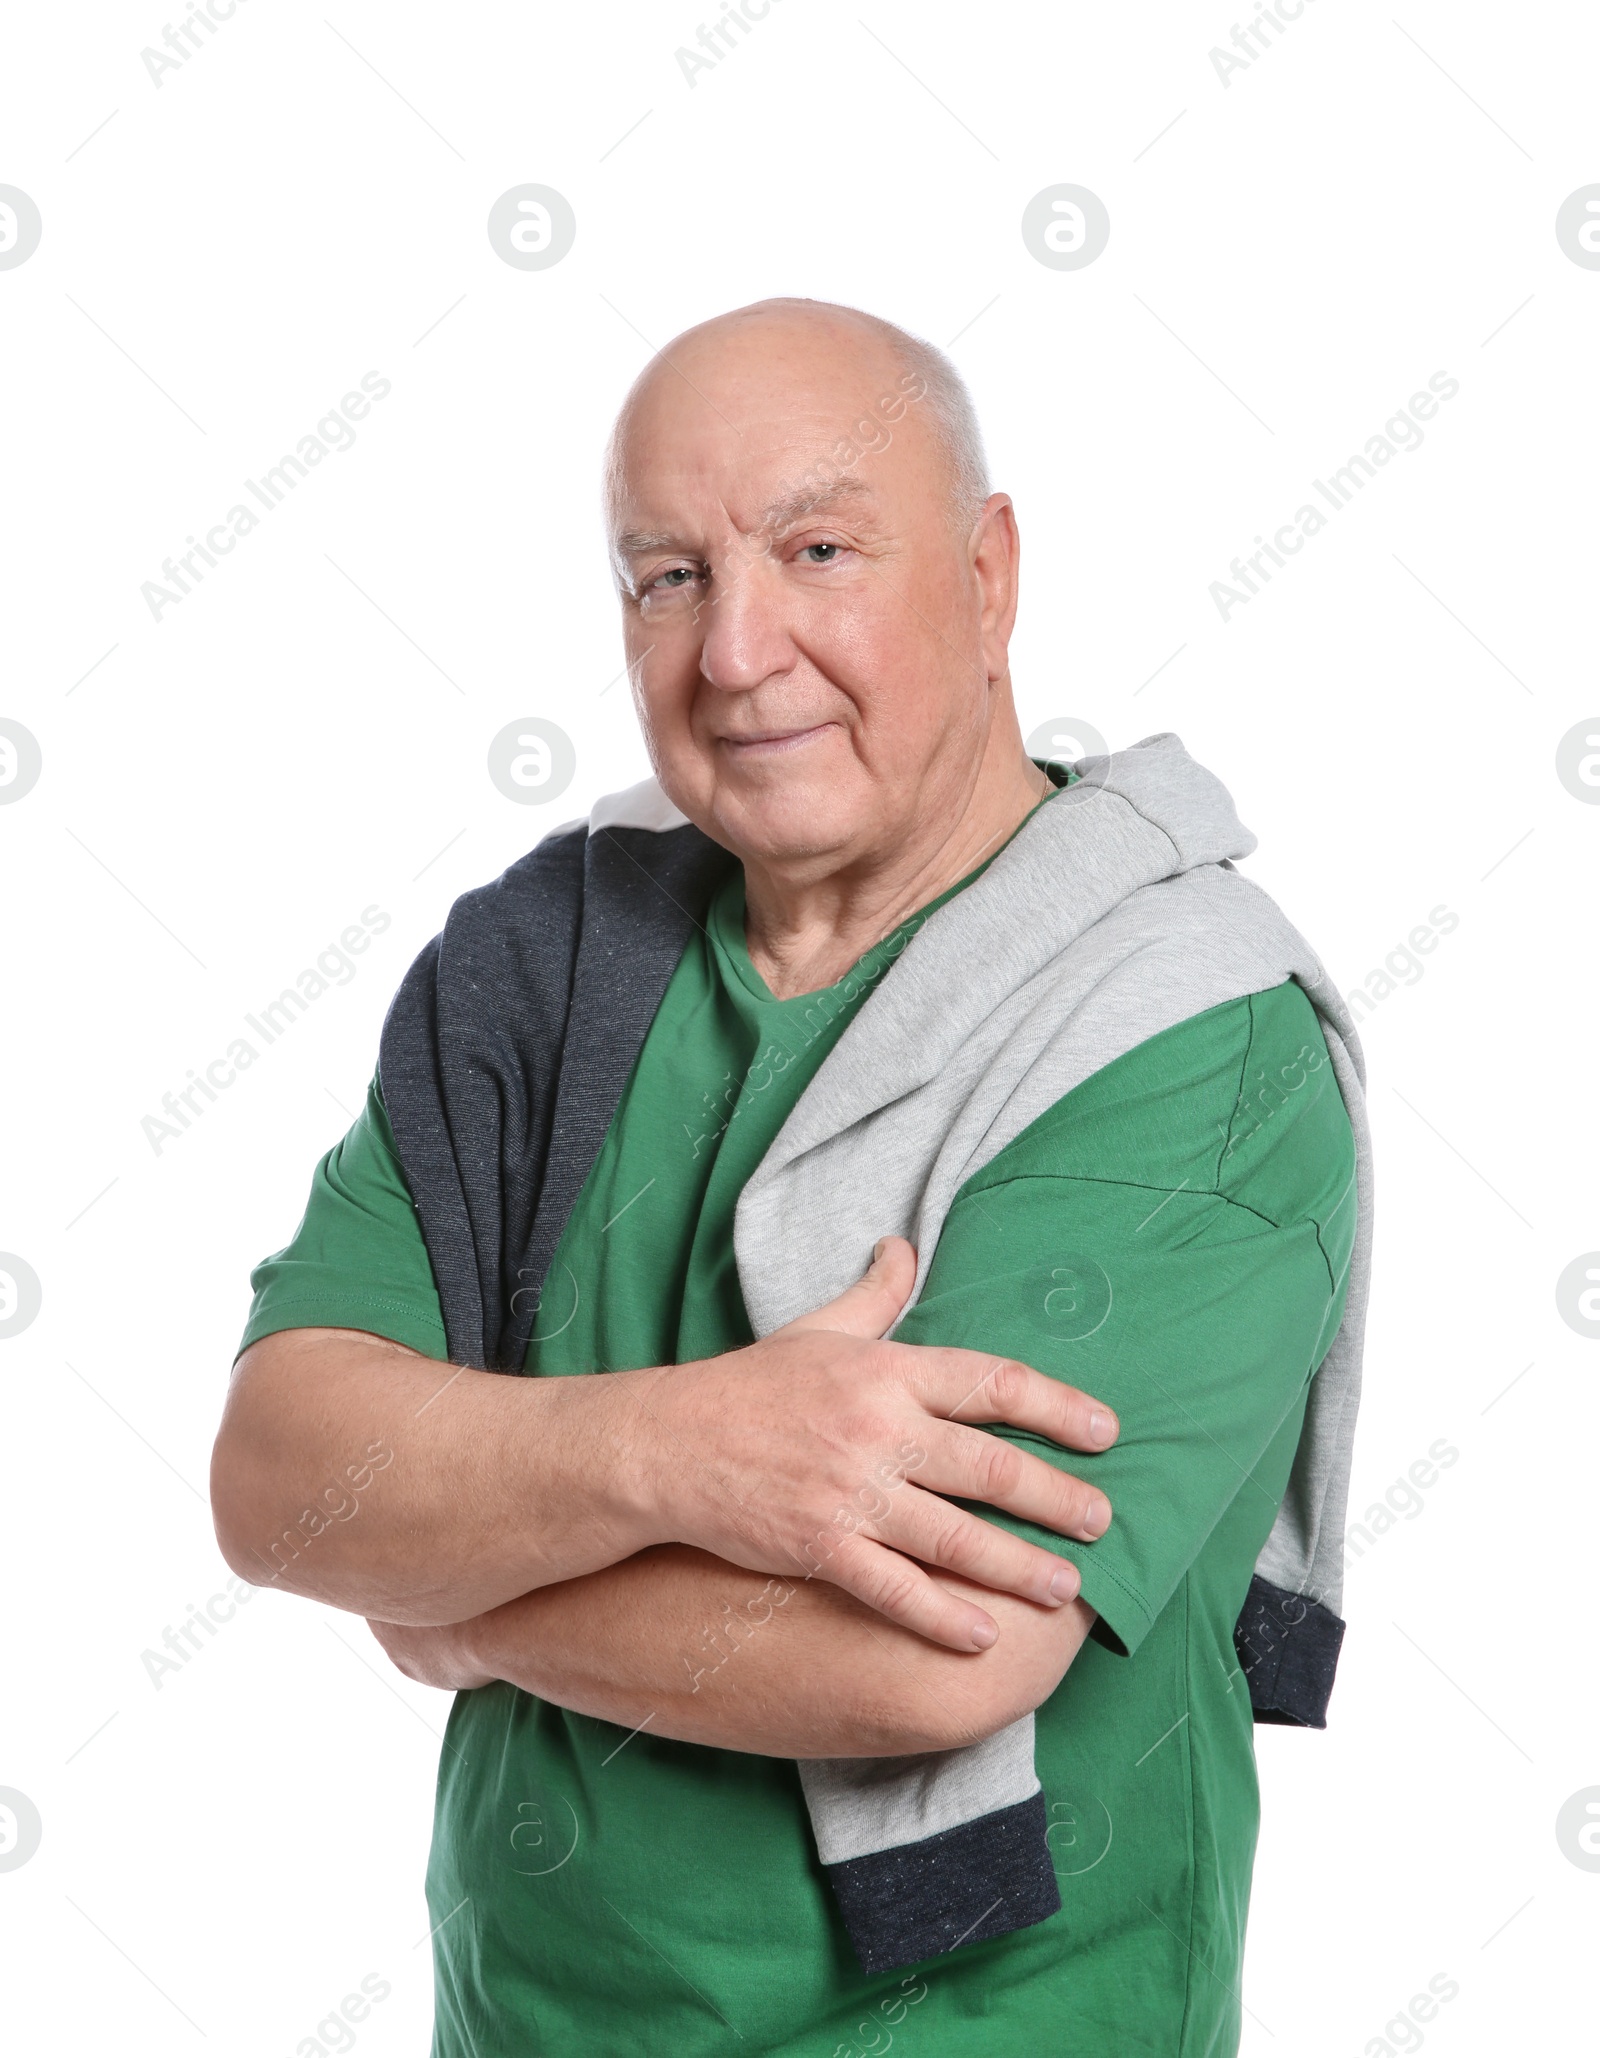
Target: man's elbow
<point x="246" y="1547"/>
<point x="270" y="1444"/>
<point x="265" y="1531"/>
<point x="974" y="1698"/>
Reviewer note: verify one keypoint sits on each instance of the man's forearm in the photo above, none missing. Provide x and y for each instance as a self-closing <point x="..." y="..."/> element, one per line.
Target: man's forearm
<point x="365" y="1475"/>
<point x="682" y="1644"/>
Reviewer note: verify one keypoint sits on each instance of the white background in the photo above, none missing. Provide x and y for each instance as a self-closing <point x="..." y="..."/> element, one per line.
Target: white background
<point x="225" y="789"/>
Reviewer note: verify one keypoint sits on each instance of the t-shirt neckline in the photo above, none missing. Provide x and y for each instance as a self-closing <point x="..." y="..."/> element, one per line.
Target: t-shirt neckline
<point x="725" y="921"/>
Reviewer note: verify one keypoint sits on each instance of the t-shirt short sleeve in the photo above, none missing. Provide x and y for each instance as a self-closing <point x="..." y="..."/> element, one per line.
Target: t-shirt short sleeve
<point x="1172" y="1237"/>
<point x="358" y="1259"/>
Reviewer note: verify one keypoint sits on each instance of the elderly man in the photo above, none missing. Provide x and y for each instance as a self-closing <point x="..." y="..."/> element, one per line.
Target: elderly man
<point x="804" y="1677"/>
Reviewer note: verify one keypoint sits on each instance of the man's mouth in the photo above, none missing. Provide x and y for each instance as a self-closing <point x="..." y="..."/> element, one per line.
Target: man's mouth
<point x="771" y="742"/>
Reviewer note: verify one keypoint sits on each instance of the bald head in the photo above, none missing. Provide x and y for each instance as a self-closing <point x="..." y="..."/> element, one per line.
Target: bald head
<point x="856" y="353"/>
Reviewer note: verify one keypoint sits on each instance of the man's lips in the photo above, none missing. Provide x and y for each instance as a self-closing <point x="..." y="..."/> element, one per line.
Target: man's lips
<point x="770" y="742"/>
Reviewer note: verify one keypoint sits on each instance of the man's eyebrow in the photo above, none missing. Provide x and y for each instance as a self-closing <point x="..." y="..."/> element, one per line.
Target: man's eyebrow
<point x="781" y="515"/>
<point x="633" y="541"/>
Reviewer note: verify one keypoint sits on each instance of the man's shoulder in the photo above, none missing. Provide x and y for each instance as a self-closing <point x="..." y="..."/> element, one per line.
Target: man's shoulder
<point x="1238" y="1100"/>
<point x="636" y="837"/>
<point x="1155" y="1114"/>
<point x="643" y="805"/>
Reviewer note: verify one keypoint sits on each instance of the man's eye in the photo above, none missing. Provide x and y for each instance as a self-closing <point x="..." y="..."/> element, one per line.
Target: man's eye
<point x="675" y="579"/>
<point x="820" y="553"/>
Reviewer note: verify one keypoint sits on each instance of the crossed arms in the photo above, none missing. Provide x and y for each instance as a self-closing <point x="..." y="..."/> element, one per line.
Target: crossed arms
<point x="758" y="1551"/>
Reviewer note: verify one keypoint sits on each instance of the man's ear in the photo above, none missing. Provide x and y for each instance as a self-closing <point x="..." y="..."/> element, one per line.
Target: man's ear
<point x="996" y="552"/>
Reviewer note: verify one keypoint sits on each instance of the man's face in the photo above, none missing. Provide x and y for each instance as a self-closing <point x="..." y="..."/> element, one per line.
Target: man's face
<point x="805" y="624"/>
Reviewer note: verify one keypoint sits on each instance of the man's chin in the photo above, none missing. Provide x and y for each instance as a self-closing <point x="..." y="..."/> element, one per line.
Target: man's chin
<point x="783" y="822"/>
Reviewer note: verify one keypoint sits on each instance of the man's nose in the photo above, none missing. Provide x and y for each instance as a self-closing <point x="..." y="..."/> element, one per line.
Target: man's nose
<point x="745" y="618"/>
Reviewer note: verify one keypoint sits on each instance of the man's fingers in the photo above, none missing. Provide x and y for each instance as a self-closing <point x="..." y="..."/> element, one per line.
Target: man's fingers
<point x="929" y="1528"/>
<point x="894" y="1587"/>
<point x="874" y="1302"/>
<point x="969" y="1386"/>
<point x="971" y="1465"/>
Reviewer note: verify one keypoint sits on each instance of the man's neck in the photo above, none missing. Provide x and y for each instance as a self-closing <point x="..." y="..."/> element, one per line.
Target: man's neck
<point x="803" y="938"/>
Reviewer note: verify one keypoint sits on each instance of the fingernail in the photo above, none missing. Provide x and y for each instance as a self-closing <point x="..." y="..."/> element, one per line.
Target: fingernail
<point x="1102" y="1427"/>
<point x="1097" y="1517"/>
<point x="878" y="1248"/>
<point x="1066" y="1583"/>
<point x="983" y="1635"/>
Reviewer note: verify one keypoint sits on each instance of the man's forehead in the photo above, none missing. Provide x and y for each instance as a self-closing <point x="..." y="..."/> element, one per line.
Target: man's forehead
<point x="756" y="422"/>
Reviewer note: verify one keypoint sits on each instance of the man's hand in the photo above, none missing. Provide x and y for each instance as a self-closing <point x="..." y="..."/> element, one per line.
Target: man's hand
<point x="822" y="1451"/>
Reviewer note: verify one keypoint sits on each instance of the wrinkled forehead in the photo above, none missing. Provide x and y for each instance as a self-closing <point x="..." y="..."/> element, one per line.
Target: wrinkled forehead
<point x="746" y="435"/>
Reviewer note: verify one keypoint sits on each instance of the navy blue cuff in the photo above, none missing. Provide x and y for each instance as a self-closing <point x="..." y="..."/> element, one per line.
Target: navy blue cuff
<point x="963" y="1886"/>
<point x="1288" y="1649"/>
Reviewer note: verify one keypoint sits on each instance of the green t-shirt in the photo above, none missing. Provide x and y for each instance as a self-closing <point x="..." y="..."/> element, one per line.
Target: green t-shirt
<point x="1173" y="1237"/>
